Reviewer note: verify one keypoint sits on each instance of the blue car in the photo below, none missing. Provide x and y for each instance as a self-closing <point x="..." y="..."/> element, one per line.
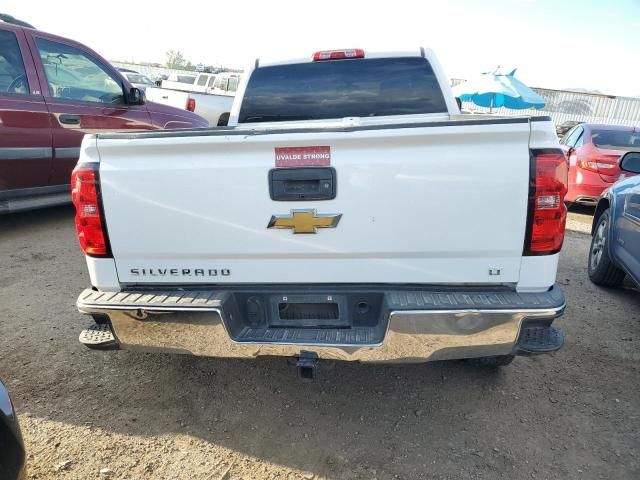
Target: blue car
<point x="12" y="455"/>
<point x="615" y="242"/>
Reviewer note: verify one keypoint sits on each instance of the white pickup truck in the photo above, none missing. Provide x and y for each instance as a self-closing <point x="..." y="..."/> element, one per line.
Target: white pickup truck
<point x="210" y="95"/>
<point x="347" y="212"/>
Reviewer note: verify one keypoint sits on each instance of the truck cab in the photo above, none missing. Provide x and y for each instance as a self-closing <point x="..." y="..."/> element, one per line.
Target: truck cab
<point x="203" y="82"/>
<point x="52" y="92"/>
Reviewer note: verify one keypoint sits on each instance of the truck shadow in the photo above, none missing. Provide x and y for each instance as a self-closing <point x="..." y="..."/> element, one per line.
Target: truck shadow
<point x="36" y="220"/>
<point x="353" y="418"/>
<point x="581" y="209"/>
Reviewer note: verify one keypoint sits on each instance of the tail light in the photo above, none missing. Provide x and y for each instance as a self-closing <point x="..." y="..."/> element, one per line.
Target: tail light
<point x="338" y="54"/>
<point x="605" y="164"/>
<point x="191" y="104"/>
<point x="90" y="226"/>
<point x="547" y="212"/>
<point x="587" y="164"/>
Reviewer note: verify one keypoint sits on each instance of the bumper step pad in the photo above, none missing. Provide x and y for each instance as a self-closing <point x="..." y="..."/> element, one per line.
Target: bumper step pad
<point x="539" y="339"/>
<point x="314" y="336"/>
<point x="98" y="337"/>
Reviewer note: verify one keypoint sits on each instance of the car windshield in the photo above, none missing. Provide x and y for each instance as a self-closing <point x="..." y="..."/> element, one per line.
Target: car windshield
<point x="138" y="78"/>
<point x="616" y="138"/>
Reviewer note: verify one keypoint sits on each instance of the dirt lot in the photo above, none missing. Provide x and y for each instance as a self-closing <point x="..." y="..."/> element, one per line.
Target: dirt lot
<point x="574" y="415"/>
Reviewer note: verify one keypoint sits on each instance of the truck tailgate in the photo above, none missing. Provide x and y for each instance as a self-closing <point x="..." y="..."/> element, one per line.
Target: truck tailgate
<point x="425" y="203"/>
<point x="172" y="98"/>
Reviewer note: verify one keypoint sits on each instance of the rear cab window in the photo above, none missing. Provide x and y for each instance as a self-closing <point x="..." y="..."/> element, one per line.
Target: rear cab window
<point x="202" y="80"/>
<point x="233" y="84"/>
<point x="188" y="79"/>
<point x="342" y="88"/>
<point x="221" y="83"/>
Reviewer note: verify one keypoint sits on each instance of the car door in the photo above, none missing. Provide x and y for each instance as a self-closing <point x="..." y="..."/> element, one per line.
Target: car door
<point x="84" y="94"/>
<point x="627" y="225"/>
<point x="25" y="132"/>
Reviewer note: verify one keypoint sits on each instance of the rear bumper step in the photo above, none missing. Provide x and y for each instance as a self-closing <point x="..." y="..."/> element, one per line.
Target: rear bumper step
<point x="536" y="339"/>
<point x="374" y="324"/>
<point x="98" y="337"/>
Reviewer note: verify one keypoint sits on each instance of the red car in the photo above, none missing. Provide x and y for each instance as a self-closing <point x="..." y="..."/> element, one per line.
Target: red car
<point x="52" y="92"/>
<point x="593" y="152"/>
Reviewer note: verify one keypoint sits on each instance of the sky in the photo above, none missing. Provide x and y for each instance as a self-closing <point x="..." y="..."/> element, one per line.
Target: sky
<point x="590" y="44"/>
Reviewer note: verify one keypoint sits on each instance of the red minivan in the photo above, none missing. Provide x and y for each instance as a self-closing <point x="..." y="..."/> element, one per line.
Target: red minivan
<point x="53" y="91"/>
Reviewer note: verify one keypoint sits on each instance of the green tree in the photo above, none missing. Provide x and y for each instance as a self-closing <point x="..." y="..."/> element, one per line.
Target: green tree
<point x="175" y="59"/>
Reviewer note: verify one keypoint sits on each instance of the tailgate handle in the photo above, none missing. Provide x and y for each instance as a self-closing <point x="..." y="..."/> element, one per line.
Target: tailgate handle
<point x="302" y="184"/>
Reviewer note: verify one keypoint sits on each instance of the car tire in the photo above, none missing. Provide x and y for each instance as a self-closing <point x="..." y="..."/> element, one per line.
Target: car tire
<point x="602" y="270"/>
<point x="492" y="362"/>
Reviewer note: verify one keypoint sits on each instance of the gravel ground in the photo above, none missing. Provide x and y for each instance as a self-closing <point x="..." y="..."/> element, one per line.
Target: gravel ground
<point x="573" y="415"/>
<point x="580" y="219"/>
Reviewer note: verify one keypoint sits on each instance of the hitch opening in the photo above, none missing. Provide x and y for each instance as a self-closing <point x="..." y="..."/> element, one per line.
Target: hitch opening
<point x="306" y="365"/>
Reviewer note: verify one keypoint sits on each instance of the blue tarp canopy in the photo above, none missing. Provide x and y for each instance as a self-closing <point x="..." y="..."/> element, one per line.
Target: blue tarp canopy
<point x="495" y="90"/>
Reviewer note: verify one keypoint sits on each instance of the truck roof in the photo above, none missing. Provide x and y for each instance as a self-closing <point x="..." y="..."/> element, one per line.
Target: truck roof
<point x="6" y="18"/>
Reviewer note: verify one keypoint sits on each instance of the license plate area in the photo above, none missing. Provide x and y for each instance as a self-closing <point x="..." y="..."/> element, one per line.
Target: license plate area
<point x="309" y="311"/>
<point x="287" y="313"/>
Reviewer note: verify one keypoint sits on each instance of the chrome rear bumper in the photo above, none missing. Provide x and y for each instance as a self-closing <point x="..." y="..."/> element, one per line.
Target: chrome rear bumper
<point x="453" y="325"/>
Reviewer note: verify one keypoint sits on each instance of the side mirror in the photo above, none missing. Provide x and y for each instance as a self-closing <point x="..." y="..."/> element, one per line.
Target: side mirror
<point x="630" y="162"/>
<point x="135" y="97"/>
<point x="223" y="119"/>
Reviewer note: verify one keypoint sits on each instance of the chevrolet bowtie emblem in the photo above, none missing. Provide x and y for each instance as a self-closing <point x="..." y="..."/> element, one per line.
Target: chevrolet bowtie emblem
<point x="305" y="221"/>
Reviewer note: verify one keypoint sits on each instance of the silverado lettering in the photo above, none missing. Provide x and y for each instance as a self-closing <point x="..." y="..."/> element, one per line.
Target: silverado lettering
<point x="175" y="272"/>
